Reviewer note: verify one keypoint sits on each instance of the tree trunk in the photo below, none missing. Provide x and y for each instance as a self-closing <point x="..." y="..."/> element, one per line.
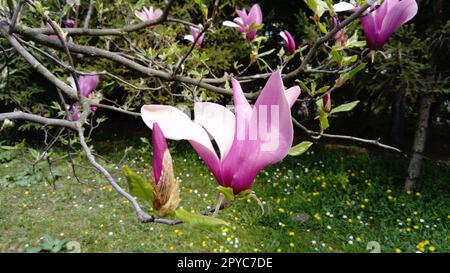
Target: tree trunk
<point x="415" y="165"/>
<point x="398" y="118"/>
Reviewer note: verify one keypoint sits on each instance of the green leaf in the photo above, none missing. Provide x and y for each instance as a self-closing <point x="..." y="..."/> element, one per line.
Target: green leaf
<point x="203" y="8"/>
<point x="323" y="28"/>
<point x="300" y="148"/>
<point x="227" y="191"/>
<point x="199" y="220"/>
<point x="303" y="86"/>
<point x="266" y="53"/>
<point x="323" y="118"/>
<point x="138" y="186"/>
<point x="355" y="70"/>
<point x="345" y="107"/>
<point x="312" y="5"/>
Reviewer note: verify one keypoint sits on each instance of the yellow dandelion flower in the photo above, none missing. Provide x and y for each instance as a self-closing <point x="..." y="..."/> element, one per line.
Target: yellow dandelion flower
<point x="281" y="210"/>
<point x="291" y="233"/>
<point x="317" y="216"/>
<point x="363" y="206"/>
<point x="398" y="250"/>
<point x="291" y="244"/>
<point x="432" y="249"/>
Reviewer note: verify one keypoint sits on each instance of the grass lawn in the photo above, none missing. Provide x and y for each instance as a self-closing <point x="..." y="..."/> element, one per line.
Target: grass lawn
<point x="329" y="200"/>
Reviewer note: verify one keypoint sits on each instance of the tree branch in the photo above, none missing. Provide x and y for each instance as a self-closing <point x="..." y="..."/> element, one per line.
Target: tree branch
<point x="106" y="31"/>
<point x="93" y="51"/>
<point x="330" y="35"/>
<point x="317" y="135"/>
<point x="37" y="65"/>
<point x="19" y="115"/>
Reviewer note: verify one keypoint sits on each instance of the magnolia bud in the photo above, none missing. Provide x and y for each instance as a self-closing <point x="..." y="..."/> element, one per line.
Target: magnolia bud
<point x="326" y="102"/>
<point x="166" y="191"/>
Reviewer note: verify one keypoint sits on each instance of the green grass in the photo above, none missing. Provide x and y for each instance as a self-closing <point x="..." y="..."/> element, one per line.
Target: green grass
<point x="345" y="197"/>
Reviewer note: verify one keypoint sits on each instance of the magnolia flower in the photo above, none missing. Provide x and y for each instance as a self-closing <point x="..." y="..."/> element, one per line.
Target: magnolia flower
<point x="289" y="42"/>
<point x="194" y="35"/>
<point x="87" y="85"/>
<point x="247" y="23"/>
<point x="69" y="23"/>
<point x="148" y="15"/>
<point x="74" y="113"/>
<point x="248" y="140"/>
<point x="378" y="25"/>
<point x="166" y="192"/>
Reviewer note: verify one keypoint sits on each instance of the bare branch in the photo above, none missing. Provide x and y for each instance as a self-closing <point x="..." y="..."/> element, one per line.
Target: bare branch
<point x="88" y="14"/>
<point x="317" y="135"/>
<point x="38" y="66"/>
<point x="19" y="115"/>
<point x="93" y="51"/>
<point x="16" y="15"/>
<point x="142" y="216"/>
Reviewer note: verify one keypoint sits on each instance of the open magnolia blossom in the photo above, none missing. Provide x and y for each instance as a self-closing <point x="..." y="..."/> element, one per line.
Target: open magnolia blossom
<point x="247" y="23"/>
<point x="87" y="86"/>
<point x="379" y="24"/>
<point x="166" y="192"/>
<point x="289" y="42"/>
<point x="248" y="140"/>
<point x="148" y="14"/>
<point x="194" y="35"/>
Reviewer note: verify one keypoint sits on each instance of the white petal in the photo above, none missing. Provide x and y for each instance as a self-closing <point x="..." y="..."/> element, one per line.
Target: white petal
<point x="343" y="6"/>
<point x="285" y="38"/>
<point x="219" y="121"/>
<point x="230" y="24"/>
<point x="189" y="37"/>
<point x="175" y="124"/>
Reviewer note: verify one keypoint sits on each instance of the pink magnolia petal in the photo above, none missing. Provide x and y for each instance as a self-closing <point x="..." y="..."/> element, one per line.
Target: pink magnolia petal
<point x="292" y="95"/>
<point x="88" y="84"/>
<point x="398" y="15"/>
<point x="277" y="139"/>
<point x="159" y="144"/>
<point x="370" y="31"/>
<point x="255" y="14"/>
<point x="218" y="121"/>
<point x="141" y="15"/>
<point x="289" y="42"/>
<point x="243" y="16"/>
